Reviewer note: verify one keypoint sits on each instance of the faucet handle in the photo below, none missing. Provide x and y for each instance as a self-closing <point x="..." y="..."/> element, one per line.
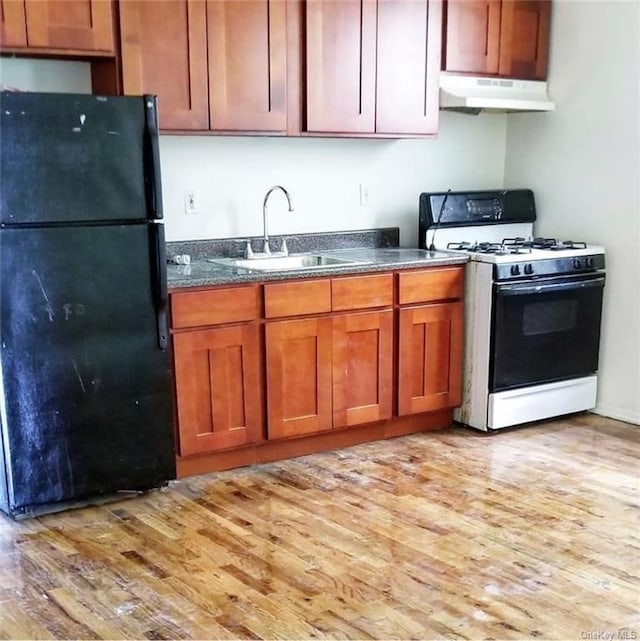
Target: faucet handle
<point x="248" y="250"/>
<point x="284" y="250"/>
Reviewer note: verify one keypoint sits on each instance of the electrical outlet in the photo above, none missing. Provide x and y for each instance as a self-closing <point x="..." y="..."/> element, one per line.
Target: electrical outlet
<point x="190" y="202"/>
<point x="365" y="195"/>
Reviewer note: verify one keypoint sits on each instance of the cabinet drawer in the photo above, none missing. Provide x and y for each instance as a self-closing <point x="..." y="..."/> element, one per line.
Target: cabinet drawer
<point x="214" y="306"/>
<point x="431" y="284"/>
<point x="360" y="292"/>
<point x="297" y="298"/>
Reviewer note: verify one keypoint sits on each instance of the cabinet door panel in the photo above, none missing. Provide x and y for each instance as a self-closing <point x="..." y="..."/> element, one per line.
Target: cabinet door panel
<point x="247" y="65"/>
<point x="218" y="388"/>
<point x="298" y="376"/>
<point x="164" y="52"/>
<point x="408" y="65"/>
<point x="362" y="368"/>
<point x="472" y="36"/>
<point x="341" y="65"/>
<point x="524" y="38"/>
<point x="70" y="24"/>
<point x="13" y="25"/>
<point x="429" y="370"/>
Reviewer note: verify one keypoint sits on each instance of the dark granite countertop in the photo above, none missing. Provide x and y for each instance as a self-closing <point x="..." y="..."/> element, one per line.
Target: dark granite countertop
<point x="371" y="259"/>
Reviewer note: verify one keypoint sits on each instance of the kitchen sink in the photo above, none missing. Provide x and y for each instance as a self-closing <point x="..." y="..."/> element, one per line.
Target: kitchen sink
<point x="287" y="263"/>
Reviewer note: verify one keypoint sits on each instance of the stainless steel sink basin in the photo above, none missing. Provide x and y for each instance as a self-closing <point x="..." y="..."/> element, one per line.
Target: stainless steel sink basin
<point x="287" y="263"/>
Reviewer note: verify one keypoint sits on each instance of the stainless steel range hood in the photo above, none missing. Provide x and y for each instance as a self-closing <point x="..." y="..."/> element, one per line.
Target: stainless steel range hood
<point x="472" y="94"/>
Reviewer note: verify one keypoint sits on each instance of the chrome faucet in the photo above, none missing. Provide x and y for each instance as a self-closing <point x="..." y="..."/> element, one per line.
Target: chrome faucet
<point x="265" y="237"/>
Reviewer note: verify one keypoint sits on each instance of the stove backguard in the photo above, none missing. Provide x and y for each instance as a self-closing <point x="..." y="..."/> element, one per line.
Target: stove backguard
<point x="471" y="208"/>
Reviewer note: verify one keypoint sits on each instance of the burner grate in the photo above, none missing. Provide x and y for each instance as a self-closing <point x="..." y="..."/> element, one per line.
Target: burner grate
<point x="500" y="249"/>
<point x="539" y="242"/>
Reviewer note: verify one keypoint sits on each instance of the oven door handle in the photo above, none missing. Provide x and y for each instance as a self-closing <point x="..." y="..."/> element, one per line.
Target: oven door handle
<point x="521" y="289"/>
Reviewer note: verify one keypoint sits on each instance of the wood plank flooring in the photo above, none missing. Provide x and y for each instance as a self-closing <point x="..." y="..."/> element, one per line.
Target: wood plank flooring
<point x="528" y="533"/>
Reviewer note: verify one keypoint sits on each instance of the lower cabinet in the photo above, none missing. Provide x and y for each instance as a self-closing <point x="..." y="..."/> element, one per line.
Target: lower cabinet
<point x="362" y="368"/>
<point x="217" y="375"/>
<point x="260" y="364"/>
<point x="430" y="330"/>
<point x="328" y="372"/>
<point x="429" y="359"/>
<point x="298" y="359"/>
<point x="217" y="362"/>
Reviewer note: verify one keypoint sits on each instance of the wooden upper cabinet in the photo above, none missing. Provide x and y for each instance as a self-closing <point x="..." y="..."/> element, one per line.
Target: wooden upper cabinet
<point x="524" y="38"/>
<point x="408" y="65"/>
<point x="247" y="65"/>
<point x="164" y="52"/>
<point x="341" y="65"/>
<point x="507" y="38"/>
<point x="472" y="36"/>
<point x="373" y="66"/>
<point x="216" y="65"/>
<point x="13" y="24"/>
<point x="77" y="26"/>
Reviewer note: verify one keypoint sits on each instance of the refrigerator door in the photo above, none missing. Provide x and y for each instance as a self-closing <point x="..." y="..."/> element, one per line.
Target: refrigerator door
<point x="85" y="385"/>
<point x="69" y="158"/>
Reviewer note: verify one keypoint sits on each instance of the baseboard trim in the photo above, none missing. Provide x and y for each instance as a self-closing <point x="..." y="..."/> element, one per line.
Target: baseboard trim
<point x="618" y="414"/>
<point x="268" y="451"/>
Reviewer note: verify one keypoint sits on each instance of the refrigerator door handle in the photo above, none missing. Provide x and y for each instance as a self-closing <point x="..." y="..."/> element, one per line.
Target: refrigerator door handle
<point x="154" y="193"/>
<point x="159" y="284"/>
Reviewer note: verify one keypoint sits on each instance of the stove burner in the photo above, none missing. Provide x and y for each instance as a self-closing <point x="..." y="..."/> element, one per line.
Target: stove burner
<point x="500" y="249"/>
<point x="459" y="246"/>
<point x="572" y="244"/>
<point x="543" y="243"/>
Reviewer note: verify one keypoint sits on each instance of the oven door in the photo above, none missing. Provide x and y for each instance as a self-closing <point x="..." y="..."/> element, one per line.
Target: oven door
<point x="545" y="330"/>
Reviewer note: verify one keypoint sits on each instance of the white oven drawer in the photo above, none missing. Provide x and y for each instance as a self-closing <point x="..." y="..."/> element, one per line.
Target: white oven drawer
<point x="517" y="406"/>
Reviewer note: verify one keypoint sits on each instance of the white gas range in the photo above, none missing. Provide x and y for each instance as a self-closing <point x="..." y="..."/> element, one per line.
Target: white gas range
<point x="532" y="308"/>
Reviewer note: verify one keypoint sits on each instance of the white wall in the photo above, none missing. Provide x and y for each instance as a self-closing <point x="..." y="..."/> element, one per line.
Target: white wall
<point x="54" y="76"/>
<point x="583" y="163"/>
<point x="230" y="175"/>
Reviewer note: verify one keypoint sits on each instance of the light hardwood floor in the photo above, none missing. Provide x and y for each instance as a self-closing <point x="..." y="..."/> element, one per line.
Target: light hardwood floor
<point x="532" y="532"/>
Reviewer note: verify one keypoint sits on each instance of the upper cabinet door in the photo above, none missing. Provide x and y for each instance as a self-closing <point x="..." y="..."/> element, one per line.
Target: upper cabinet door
<point x="524" y="38"/>
<point x="472" y="36"/>
<point x="341" y="65"/>
<point x="247" y="65"/>
<point x="13" y="25"/>
<point x="408" y="65"/>
<point x="80" y="25"/>
<point x="164" y="52"/>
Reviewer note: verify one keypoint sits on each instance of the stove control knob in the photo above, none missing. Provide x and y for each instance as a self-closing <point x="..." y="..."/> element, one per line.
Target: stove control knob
<point x="577" y="263"/>
<point x="589" y="261"/>
<point x="528" y="269"/>
<point x="515" y="270"/>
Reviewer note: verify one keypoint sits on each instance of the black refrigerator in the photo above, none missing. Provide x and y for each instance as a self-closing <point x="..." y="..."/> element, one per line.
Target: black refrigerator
<point x="86" y="408"/>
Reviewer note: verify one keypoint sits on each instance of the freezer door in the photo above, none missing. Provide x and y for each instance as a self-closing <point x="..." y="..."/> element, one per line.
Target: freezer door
<point x="87" y="389"/>
<point x="78" y="158"/>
